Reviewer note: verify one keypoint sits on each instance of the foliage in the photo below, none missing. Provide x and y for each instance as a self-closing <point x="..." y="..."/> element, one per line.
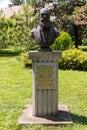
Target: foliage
<point x="24" y="23"/>
<point x="79" y="15"/>
<point x="84" y="41"/>
<point x="62" y="10"/>
<point x="71" y="59"/>
<point x="16" y="32"/>
<point x="17" y="2"/>
<point x="24" y="57"/>
<point x="80" y="23"/>
<point x="19" y="38"/>
<point x="28" y="16"/>
<point x="5" y="25"/>
<point x="63" y="42"/>
<point x="74" y="59"/>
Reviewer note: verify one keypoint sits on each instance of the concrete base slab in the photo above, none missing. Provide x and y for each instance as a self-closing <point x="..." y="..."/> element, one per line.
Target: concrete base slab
<point x="62" y="117"/>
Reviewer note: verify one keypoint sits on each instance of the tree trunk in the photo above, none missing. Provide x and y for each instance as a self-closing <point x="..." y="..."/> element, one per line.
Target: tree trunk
<point x="76" y="36"/>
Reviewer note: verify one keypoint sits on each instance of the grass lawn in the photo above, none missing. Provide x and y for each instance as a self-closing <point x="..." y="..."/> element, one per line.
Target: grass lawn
<point x="16" y="92"/>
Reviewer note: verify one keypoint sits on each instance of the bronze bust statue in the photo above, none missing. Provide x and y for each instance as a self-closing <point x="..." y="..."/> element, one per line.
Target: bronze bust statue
<point x="44" y="33"/>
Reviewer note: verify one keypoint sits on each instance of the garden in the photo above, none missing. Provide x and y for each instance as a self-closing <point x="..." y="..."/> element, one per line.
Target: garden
<point x="16" y="93"/>
<point x="16" y="67"/>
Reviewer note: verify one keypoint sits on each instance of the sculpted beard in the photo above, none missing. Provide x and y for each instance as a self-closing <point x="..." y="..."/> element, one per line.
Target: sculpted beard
<point x="45" y="23"/>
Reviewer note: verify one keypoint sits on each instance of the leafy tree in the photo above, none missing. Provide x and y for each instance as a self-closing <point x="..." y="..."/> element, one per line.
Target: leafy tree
<point x="24" y="23"/>
<point x="16" y="32"/>
<point x="17" y="2"/>
<point x="80" y="23"/>
<point x="62" y="10"/>
<point x="5" y="25"/>
<point x="80" y="15"/>
<point x="19" y="34"/>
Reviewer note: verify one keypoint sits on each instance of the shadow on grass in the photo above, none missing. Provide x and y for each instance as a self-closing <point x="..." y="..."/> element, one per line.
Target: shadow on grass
<point x="79" y="119"/>
<point x="9" y="53"/>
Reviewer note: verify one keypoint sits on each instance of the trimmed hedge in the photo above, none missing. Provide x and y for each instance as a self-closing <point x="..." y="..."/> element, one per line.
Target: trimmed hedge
<point x="71" y="59"/>
<point x="62" y="42"/>
<point x="74" y="59"/>
<point x="24" y="57"/>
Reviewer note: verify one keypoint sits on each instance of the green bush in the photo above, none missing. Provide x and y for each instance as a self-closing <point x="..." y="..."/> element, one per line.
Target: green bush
<point x="74" y="59"/>
<point x="63" y="42"/>
<point x="24" y="57"/>
<point x="15" y="32"/>
<point x="5" y="25"/>
<point x="71" y="59"/>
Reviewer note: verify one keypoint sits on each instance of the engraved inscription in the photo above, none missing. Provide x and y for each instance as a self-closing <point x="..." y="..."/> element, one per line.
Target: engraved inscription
<point x="45" y="75"/>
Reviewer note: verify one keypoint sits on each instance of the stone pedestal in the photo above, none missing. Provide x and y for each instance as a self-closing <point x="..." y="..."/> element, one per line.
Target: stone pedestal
<point x="45" y="82"/>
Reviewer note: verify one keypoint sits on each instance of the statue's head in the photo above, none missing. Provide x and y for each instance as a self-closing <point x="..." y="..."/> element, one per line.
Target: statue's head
<point x="44" y="18"/>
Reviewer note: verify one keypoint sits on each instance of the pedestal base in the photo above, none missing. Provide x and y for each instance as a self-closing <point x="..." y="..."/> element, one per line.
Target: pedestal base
<point x="62" y="117"/>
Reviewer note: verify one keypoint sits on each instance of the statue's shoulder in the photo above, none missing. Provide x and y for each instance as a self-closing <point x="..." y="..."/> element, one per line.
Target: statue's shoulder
<point x="32" y="33"/>
<point x="37" y="28"/>
<point x="32" y="30"/>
